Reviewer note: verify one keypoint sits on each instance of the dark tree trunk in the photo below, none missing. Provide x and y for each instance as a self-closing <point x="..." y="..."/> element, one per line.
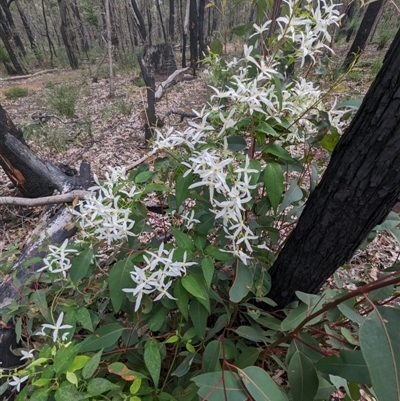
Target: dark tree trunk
<point x="171" y="22"/>
<point x="161" y="21"/>
<point x="349" y="16"/>
<point x="31" y="175"/>
<point x="357" y="191"/>
<point x="114" y="26"/>
<point x="149" y="24"/>
<point x="151" y="119"/>
<point x="28" y="31"/>
<point x="9" y="22"/>
<point x="52" y="50"/>
<point x="67" y="40"/>
<point x="139" y="21"/>
<point x="15" y="68"/>
<point x="363" y="33"/>
<point x="202" y="44"/>
<point x="193" y="35"/>
<point x="81" y="30"/>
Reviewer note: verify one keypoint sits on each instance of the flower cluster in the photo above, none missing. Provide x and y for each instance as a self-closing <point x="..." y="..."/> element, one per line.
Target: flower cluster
<point x="157" y="275"/>
<point x="104" y="213"/>
<point x="57" y="260"/>
<point x="56" y="328"/>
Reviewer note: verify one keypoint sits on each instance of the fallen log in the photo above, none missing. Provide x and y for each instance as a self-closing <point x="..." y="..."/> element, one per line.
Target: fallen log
<point x="168" y="82"/>
<point x="28" y="76"/>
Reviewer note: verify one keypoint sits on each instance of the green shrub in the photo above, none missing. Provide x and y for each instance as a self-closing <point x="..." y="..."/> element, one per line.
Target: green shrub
<point x="63" y="98"/>
<point x="16" y="92"/>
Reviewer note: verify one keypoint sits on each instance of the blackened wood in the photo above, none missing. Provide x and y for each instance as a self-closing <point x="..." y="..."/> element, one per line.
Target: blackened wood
<point x="363" y="33"/>
<point x="151" y="99"/>
<point x="359" y="188"/>
<point x="193" y="35"/>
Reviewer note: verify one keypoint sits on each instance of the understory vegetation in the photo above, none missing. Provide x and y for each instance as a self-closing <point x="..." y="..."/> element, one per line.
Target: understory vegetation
<point x="174" y="306"/>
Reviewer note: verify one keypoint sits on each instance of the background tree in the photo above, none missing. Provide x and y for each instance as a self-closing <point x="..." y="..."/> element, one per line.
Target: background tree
<point x="371" y="14"/>
<point x="358" y="189"/>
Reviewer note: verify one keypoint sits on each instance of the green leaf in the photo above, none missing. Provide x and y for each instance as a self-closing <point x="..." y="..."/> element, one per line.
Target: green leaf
<point x="307" y="345"/>
<point x="329" y="141"/>
<point x="260" y="385"/>
<point x="207" y="221"/>
<point x="104" y="337"/>
<point x="303" y="378"/>
<point x="152" y="360"/>
<point x="218" y="254"/>
<point x="68" y="392"/>
<point x="156" y="188"/>
<point x="41" y="394"/>
<point x="71" y="377"/>
<point x="350" y="365"/>
<point x="248" y="357"/>
<point x="350" y="104"/>
<point x="184" y="367"/>
<point x="236" y="143"/>
<point x="40" y="301"/>
<point x="277" y="150"/>
<point x="198" y="315"/>
<point x="216" y="47"/>
<point x="266" y="129"/>
<point x="182" y="299"/>
<point x="242" y="284"/>
<point x="159" y="313"/>
<point x="242" y="29"/>
<point x="207" y="267"/>
<point x="213" y="387"/>
<point x="380" y="346"/>
<point x="250" y="333"/>
<point x="182" y="188"/>
<point x="79" y="362"/>
<point x="64" y="358"/>
<point x="196" y="286"/>
<point x="325" y="389"/>
<point x="273" y="179"/>
<point x="143" y="177"/>
<point x="80" y="265"/>
<point x="99" y="386"/>
<point x="347" y="308"/>
<point x="297" y="315"/>
<point x="211" y="357"/>
<point x="292" y="195"/>
<point x="83" y="317"/>
<point x="182" y="240"/>
<point x="89" y="369"/>
<point x="118" y="278"/>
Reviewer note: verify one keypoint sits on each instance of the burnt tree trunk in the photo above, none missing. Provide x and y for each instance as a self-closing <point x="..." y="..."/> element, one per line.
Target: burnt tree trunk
<point x="151" y="119"/>
<point x="31" y="175"/>
<point x="9" y="21"/>
<point x="193" y="35"/>
<point x="357" y="191"/>
<point x="139" y="21"/>
<point x="171" y="21"/>
<point x="66" y="37"/>
<point x="202" y="44"/>
<point x="363" y="33"/>
<point x="161" y="21"/>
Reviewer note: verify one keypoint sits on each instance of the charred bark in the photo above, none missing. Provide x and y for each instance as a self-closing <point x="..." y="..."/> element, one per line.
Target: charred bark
<point x="357" y="191"/>
<point x="151" y="119"/>
<point x="171" y="22"/>
<point x="66" y="37"/>
<point x="363" y="33"/>
<point x="193" y="35"/>
<point x="139" y="21"/>
<point x="202" y="44"/>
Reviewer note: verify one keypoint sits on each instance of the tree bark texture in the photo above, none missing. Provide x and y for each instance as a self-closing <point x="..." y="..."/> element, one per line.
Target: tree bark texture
<point x="151" y="119"/>
<point x="31" y="175"/>
<point x="193" y="35"/>
<point x="66" y="37"/>
<point x="9" y="21"/>
<point x="202" y="44"/>
<point x="171" y="21"/>
<point x="139" y="21"/>
<point x="363" y="33"/>
<point x="357" y="191"/>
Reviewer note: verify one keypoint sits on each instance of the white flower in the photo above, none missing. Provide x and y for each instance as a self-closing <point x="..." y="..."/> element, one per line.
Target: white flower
<point x="57" y="327"/>
<point x="16" y="382"/>
<point x="27" y="354"/>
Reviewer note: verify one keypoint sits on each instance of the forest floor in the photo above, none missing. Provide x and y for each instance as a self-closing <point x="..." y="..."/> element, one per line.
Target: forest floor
<point x="109" y="132"/>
